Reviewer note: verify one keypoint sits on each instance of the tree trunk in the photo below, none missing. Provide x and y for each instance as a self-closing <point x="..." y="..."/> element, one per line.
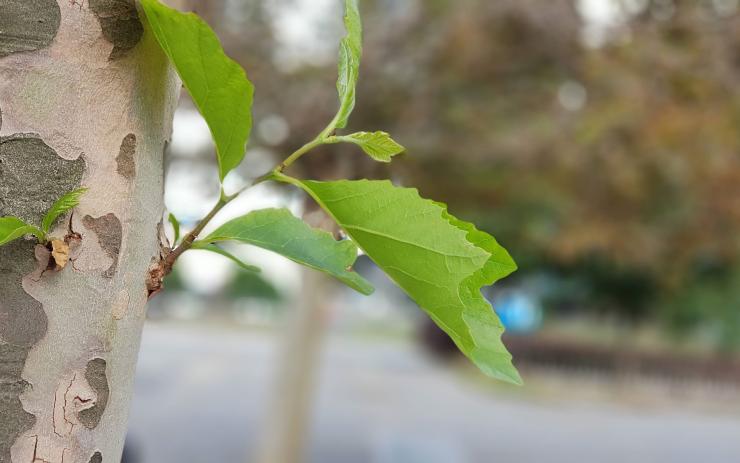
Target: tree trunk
<point x="86" y="99"/>
<point x="287" y="421"/>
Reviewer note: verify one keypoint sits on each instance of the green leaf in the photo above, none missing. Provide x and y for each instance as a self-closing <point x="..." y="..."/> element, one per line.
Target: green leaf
<point x="378" y="145"/>
<point x="218" y="85"/>
<point x="439" y="261"/>
<point x="175" y="226"/>
<point x="219" y="250"/>
<point x="350" y="53"/>
<point x="66" y="203"/>
<point x="12" y="228"/>
<point x="280" y="231"/>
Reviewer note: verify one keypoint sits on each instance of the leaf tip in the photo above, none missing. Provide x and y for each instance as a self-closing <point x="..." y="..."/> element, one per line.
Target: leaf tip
<point x="503" y="371"/>
<point x="364" y="287"/>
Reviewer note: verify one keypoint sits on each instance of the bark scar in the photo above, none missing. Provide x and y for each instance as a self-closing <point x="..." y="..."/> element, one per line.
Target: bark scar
<point x="110" y="235"/>
<point x="35" y="458"/>
<point x="120" y="24"/>
<point x="158" y="267"/>
<point x="91" y="412"/>
<point x="126" y="159"/>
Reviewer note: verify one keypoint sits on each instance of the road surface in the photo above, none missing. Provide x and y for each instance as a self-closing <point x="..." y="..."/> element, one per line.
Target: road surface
<point x="201" y="393"/>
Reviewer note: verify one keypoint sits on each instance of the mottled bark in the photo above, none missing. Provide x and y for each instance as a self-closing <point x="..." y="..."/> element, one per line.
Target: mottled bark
<point x="86" y="99"/>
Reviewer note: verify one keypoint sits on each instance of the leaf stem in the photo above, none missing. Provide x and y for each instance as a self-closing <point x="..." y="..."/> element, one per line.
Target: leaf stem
<point x="224" y="199"/>
<point x="321" y="139"/>
<point x="187" y="241"/>
<point x="41" y="235"/>
<point x="281" y="177"/>
<point x="299" y="152"/>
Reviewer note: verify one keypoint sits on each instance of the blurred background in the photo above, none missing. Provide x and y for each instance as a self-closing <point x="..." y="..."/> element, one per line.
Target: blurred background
<point x="598" y="140"/>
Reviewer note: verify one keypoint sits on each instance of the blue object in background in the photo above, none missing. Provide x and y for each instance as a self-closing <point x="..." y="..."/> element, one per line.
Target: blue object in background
<point x="519" y="312"/>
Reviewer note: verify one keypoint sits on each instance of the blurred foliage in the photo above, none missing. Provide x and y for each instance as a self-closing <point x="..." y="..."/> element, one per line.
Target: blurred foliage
<point x="708" y="306"/>
<point x="174" y="282"/>
<point x="253" y="286"/>
<point x="614" y="166"/>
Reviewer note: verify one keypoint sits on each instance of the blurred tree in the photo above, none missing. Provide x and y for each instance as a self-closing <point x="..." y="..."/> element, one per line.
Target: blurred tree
<point x="614" y="161"/>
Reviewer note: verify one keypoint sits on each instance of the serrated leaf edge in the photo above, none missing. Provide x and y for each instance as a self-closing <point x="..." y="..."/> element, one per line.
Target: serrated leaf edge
<point x="511" y="376"/>
<point x="64" y="204"/>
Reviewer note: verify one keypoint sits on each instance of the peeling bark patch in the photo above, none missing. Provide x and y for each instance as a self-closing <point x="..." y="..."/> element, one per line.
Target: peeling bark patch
<point x="125" y="159"/>
<point x="33" y="176"/>
<point x="14" y="421"/>
<point x="110" y="234"/>
<point x="22" y="319"/>
<point x="120" y="23"/>
<point x="22" y="324"/>
<point x="27" y="25"/>
<point x="43" y="259"/>
<point x="96" y="458"/>
<point x="98" y="381"/>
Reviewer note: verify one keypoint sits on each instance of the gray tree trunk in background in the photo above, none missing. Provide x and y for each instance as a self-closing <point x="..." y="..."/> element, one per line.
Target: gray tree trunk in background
<point x="86" y="98"/>
<point x="287" y="423"/>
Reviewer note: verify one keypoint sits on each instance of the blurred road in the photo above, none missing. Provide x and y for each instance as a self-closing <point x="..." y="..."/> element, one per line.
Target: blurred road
<point x="200" y="393"/>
